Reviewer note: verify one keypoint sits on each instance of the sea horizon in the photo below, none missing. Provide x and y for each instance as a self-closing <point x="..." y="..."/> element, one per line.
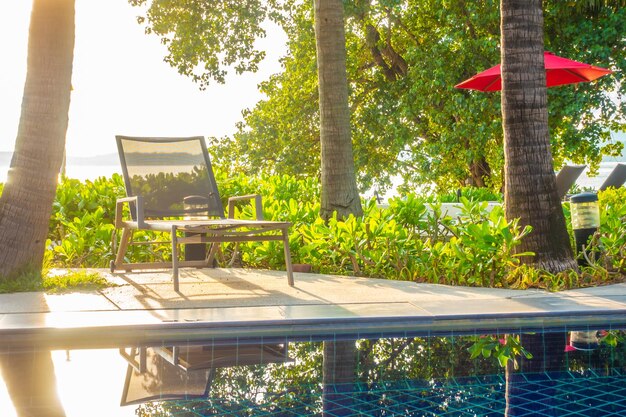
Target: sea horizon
<point x="90" y="172"/>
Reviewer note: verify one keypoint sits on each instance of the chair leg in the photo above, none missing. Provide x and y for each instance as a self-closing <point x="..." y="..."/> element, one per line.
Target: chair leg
<point x="121" y="250"/>
<point x="288" y="258"/>
<point x="235" y="260"/>
<point x="175" y="258"/>
<point x="210" y="258"/>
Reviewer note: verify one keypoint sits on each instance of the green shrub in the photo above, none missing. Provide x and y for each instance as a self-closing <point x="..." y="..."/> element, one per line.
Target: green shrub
<point x="409" y="239"/>
<point x="404" y="241"/>
<point x="471" y="193"/>
<point x="608" y="246"/>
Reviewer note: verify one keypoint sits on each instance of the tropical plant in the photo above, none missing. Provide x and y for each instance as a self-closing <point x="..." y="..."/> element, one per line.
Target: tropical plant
<point x="504" y="348"/>
<point x="607" y="248"/>
<point x="412" y="239"/>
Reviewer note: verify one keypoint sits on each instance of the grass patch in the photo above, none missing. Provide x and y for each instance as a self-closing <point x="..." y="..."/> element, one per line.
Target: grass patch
<point x="74" y="281"/>
<point x="26" y="281"/>
<point x="52" y="282"/>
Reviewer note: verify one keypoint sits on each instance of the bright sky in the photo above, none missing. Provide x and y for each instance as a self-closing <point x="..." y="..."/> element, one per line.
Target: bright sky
<point x="121" y="84"/>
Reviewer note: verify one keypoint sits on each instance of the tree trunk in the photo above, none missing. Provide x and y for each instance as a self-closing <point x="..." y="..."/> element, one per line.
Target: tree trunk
<point x="31" y="382"/>
<point x="480" y="172"/>
<point x="26" y="201"/>
<point x="339" y="376"/>
<point x="525" y="395"/>
<point x="339" y="190"/>
<point x="530" y="191"/>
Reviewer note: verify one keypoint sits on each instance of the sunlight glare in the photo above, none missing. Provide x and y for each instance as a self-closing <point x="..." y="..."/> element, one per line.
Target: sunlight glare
<point x="6" y="405"/>
<point x="91" y="381"/>
<point x="13" y="41"/>
<point x="121" y="85"/>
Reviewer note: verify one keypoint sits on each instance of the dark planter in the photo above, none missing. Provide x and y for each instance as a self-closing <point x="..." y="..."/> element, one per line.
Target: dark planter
<point x="302" y="268"/>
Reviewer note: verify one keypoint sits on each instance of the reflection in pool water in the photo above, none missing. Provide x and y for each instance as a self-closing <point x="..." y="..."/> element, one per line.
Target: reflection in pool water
<point x="411" y="376"/>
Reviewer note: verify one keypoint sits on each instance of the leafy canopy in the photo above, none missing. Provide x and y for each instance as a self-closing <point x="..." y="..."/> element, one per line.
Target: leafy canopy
<point x="404" y="59"/>
<point x="205" y="38"/>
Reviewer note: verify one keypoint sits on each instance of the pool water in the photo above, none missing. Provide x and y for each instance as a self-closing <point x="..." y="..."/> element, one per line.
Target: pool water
<point x="570" y="374"/>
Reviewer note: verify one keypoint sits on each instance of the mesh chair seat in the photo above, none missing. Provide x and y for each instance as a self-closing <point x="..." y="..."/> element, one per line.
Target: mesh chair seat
<point x="186" y="371"/>
<point x="171" y="188"/>
<point x="197" y="226"/>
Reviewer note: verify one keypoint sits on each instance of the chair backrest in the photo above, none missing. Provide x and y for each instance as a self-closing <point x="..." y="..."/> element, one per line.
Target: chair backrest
<point x="567" y="177"/>
<point x="616" y="178"/>
<point x="163" y="380"/>
<point x="173" y="176"/>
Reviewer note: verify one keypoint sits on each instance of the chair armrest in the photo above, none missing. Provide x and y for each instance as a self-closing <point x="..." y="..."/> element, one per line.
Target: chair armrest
<point x="258" y="205"/>
<point x="119" y="206"/>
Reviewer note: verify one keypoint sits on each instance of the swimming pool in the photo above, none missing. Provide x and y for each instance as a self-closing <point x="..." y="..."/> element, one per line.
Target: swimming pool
<point x="574" y="371"/>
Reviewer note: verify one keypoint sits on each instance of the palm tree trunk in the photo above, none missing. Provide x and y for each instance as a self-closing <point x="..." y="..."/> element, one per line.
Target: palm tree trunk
<point x="339" y="190"/>
<point x="31" y="382"/>
<point x="524" y="395"/>
<point x="26" y="201"/>
<point x="530" y="190"/>
<point x="339" y="377"/>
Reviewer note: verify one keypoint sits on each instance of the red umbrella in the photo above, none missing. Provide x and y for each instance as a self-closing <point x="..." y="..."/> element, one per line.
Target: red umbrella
<point x="558" y="71"/>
